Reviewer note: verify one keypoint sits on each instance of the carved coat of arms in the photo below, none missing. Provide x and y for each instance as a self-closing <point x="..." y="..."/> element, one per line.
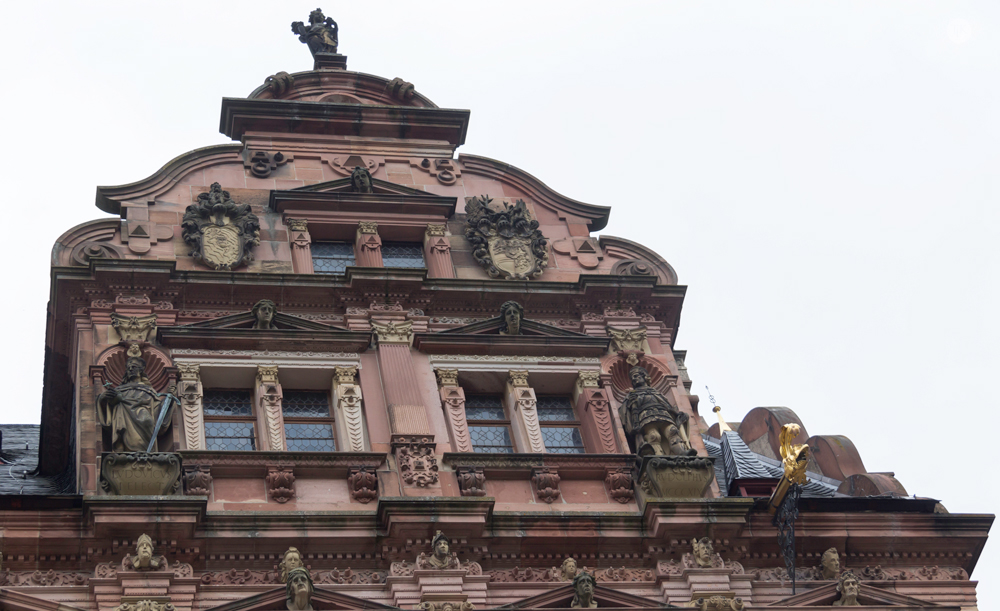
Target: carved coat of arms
<point x="220" y="231"/>
<point x="506" y="242"/>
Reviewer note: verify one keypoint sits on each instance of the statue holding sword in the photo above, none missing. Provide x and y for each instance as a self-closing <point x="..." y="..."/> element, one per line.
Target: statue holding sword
<point x="134" y="411"/>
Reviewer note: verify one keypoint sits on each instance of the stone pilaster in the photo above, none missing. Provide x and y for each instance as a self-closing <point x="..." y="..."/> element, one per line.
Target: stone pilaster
<point x="453" y="402"/>
<point x="298" y="234"/>
<point x="522" y="406"/>
<point x="368" y="245"/>
<point x="349" y="417"/>
<point x="593" y="407"/>
<point x="268" y="400"/>
<point x="407" y="415"/>
<point x="190" y="393"/>
<point x="437" y="252"/>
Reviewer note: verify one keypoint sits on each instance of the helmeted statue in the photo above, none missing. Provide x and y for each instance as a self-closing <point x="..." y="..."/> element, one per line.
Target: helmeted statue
<point x="320" y="34"/>
<point x="132" y="409"/>
<point x="654" y="426"/>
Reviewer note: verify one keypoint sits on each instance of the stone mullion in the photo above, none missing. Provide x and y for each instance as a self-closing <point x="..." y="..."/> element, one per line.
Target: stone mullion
<point x="192" y="412"/>
<point x="437" y="252"/>
<point x="349" y="419"/>
<point x="298" y="231"/>
<point x="368" y="245"/>
<point x="523" y="409"/>
<point x="268" y="400"/>
<point x="453" y="402"/>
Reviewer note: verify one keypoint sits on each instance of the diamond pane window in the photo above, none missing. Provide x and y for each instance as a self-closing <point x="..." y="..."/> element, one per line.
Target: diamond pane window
<point x="305" y="404"/>
<point x="491" y="439"/>
<point x="403" y="254"/>
<point x="227" y="403"/>
<point x="309" y="437"/>
<point x="484" y="407"/>
<point x="489" y="428"/>
<point x="231" y="435"/>
<point x="562" y="440"/>
<point x="555" y="409"/>
<point x="559" y="439"/>
<point x="332" y="257"/>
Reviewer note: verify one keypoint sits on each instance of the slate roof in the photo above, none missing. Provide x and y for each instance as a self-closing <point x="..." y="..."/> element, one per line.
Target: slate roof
<point x="733" y="459"/>
<point x="18" y="459"/>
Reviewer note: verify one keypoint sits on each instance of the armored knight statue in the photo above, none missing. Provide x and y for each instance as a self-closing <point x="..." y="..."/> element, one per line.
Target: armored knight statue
<point x="361" y="180"/>
<point x="655" y="427"/>
<point x="299" y="590"/>
<point x="583" y="592"/>
<point x="132" y="409"/>
<point x="263" y="314"/>
<point x="320" y="34"/>
<point x="511" y="314"/>
<point x="441" y="557"/>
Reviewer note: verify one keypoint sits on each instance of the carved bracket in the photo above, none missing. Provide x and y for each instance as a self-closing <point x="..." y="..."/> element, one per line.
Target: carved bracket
<point x="363" y="484"/>
<point x="619" y="483"/>
<point x="471" y="481"/>
<point x="280" y="484"/>
<point x="198" y="480"/>
<point x="546" y="482"/>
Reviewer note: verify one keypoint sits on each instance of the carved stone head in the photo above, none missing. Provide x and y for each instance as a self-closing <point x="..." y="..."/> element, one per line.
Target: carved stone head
<point x="361" y="180"/>
<point x="263" y="314"/>
<point x="569" y="570"/>
<point x="849" y="587"/>
<point x="316" y="16"/>
<point x="441" y="546"/>
<point x="299" y="590"/>
<point x="829" y="564"/>
<point x="583" y="591"/>
<point x="639" y="377"/>
<point x="512" y="313"/>
<point x="143" y="552"/>
<point x="703" y="551"/>
<point x="291" y="559"/>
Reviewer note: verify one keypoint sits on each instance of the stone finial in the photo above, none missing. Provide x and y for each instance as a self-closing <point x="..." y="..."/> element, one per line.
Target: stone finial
<point x="299" y="590"/>
<point x="583" y="592"/>
<point x="263" y="314"/>
<point x="511" y="315"/>
<point x="518" y="378"/>
<point x="267" y="374"/>
<point x="345" y="375"/>
<point x="849" y="586"/>
<point x="447" y="377"/>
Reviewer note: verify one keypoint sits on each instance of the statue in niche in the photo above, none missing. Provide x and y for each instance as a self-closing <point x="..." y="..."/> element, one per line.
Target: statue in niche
<point x="511" y="314"/>
<point x="583" y="592"/>
<point x="829" y="564"/>
<point x="320" y="35"/>
<point x="441" y="556"/>
<point x="132" y="409"/>
<point x="568" y="571"/>
<point x="655" y="427"/>
<point x="144" y="560"/>
<point x="291" y="559"/>
<point x="361" y="180"/>
<point x="263" y="314"/>
<point x="849" y="586"/>
<point x="299" y="590"/>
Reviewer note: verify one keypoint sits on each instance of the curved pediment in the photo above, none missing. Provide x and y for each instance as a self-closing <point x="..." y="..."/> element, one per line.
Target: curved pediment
<point x="342" y="87"/>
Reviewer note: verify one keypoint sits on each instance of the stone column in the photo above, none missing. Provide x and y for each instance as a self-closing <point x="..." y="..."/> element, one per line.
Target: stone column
<point x="368" y="245"/>
<point x="453" y="402"/>
<point x="594" y="410"/>
<point x="522" y="407"/>
<point x="437" y="252"/>
<point x="407" y="414"/>
<point x="268" y="400"/>
<point x="349" y="418"/>
<point x="298" y="233"/>
<point x="190" y="393"/>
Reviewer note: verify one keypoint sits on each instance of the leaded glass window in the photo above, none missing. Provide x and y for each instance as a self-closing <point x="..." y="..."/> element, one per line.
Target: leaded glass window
<point x="332" y="257"/>
<point x="560" y="427"/>
<point x="403" y="254"/>
<point x="489" y="428"/>
<point x="229" y="423"/>
<point x="308" y="424"/>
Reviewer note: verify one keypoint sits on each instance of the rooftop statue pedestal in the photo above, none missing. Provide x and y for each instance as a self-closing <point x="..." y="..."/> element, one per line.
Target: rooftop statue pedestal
<point x="141" y="473"/>
<point x="672" y="477"/>
<point x="329" y="61"/>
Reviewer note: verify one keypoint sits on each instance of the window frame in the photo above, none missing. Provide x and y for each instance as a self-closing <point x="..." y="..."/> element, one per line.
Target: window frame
<point x="247" y="418"/>
<point x="329" y="420"/>
<point x="561" y="424"/>
<point x="353" y="256"/>
<point x="417" y="245"/>
<point x="506" y="423"/>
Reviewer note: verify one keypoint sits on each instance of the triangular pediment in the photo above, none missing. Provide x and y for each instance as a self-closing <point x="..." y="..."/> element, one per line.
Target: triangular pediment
<point x="11" y="600"/>
<point x="562" y="597"/>
<point x="868" y="596"/>
<point x="491" y="326"/>
<point x="236" y="332"/>
<point x="245" y="320"/>
<point x="322" y="600"/>
<point x="379" y="187"/>
<point x="536" y="339"/>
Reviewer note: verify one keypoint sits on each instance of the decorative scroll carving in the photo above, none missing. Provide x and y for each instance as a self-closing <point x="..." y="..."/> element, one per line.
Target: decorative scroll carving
<point x="447" y="377"/>
<point x="320" y="35"/>
<point x="619" y="483"/>
<point x="471" y="481"/>
<point x="453" y="400"/>
<point x="278" y="83"/>
<point x="349" y="402"/>
<point x="234" y="577"/>
<point x="624" y="575"/>
<point x="83" y="253"/>
<point x="417" y="464"/>
<point x="869" y="573"/>
<point x="348" y="576"/>
<point x="220" y="231"/>
<point x="401" y="90"/>
<point x="446" y="606"/>
<point x="134" y="328"/>
<point x="297" y="224"/>
<point x="190" y="395"/>
<point x="507" y="243"/>
<point x="633" y="267"/>
<point x="393" y="332"/>
<point x="716" y="602"/>
<point x="368" y="227"/>
<point x="434" y="229"/>
<point x="197" y="480"/>
<point x="363" y="484"/>
<point x="394" y="306"/>
<point x="546" y="482"/>
<point x="588" y="379"/>
<point x="43" y="578"/>
<point x="619" y="313"/>
<point x="629" y="341"/>
<point x="599" y="407"/>
<point x="280" y="482"/>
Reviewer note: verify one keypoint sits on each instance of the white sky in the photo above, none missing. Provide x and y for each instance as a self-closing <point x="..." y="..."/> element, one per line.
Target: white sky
<point x="822" y="175"/>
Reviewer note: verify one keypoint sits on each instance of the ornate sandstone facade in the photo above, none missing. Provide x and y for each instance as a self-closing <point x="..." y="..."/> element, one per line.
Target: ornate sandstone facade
<point x="336" y="365"/>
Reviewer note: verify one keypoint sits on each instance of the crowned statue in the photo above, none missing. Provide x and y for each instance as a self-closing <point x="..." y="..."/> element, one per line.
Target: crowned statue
<point x="654" y="426"/>
<point x="133" y="409"/>
<point x="320" y="34"/>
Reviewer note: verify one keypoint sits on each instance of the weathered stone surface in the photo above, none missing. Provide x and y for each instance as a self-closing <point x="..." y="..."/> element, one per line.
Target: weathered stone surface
<point x="675" y="477"/>
<point x="141" y="474"/>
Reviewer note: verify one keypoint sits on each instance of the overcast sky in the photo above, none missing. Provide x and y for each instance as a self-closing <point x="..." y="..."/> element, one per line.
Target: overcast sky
<point x="822" y="176"/>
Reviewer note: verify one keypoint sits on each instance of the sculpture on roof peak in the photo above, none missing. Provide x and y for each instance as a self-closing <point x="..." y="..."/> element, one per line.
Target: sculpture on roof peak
<point x="320" y="34"/>
<point x="794" y="456"/>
